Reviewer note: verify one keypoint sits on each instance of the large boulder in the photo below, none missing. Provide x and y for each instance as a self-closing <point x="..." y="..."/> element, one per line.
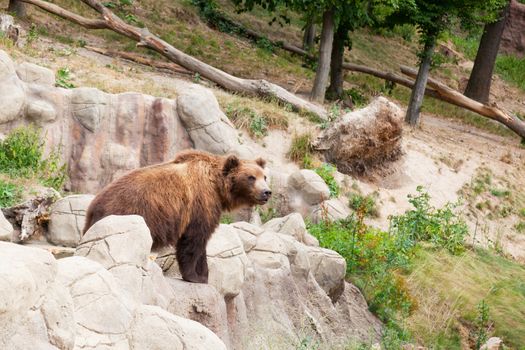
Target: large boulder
<point x="329" y="270"/>
<point x="227" y="261"/>
<point x="67" y="219"/>
<point x="309" y="186"/>
<point x="122" y="245"/>
<point x="330" y="210"/>
<point x="363" y="139"/>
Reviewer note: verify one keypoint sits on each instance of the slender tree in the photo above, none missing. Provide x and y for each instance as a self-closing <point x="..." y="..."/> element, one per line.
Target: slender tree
<point x="325" y="55"/>
<point x="433" y="17"/>
<point x="309" y="35"/>
<point x="352" y="15"/>
<point x="478" y="86"/>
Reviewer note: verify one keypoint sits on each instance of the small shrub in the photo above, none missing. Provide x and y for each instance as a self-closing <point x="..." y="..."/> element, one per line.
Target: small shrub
<point x="522" y="212"/>
<point x="520" y="227"/>
<point x="265" y="44"/>
<point x="301" y="150"/>
<point x="499" y="192"/>
<point x="63" y="78"/>
<point x="326" y="172"/>
<point x="481" y="324"/>
<point x="443" y="226"/>
<point x="10" y="194"/>
<point x="247" y="118"/>
<point x="226" y="219"/>
<point x="365" y="203"/>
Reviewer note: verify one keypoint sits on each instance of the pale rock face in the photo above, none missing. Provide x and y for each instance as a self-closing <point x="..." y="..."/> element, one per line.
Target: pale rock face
<point x="270" y="251"/>
<point x="206" y="124"/>
<point x="26" y="273"/>
<point x="227" y="261"/>
<point x="329" y="270"/>
<point x="6" y="229"/>
<point x="117" y="240"/>
<point x="103" y="314"/>
<point x="68" y="216"/>
<point x="310" y="185"/>
<point x="292" y="224"/>
<point x="155" y="328"/>
<point x="33" y="74"/>
<point x="330" y="210"/>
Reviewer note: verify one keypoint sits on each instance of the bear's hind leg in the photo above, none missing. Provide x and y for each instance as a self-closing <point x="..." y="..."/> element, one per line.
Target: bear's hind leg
<point x="189" y="251"/>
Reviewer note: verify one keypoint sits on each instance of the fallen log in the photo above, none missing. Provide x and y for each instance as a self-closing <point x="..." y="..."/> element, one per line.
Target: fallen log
<point x="457" y="98"/>
<point x="146" y="39"/>
<point x="139" y="59"/>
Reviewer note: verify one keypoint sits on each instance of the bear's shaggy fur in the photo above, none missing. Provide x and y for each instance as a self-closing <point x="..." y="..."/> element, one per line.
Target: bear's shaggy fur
<point x="182" y="201"/>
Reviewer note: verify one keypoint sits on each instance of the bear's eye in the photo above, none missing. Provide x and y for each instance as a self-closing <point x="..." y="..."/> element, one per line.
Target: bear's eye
<point x="251" y="178"/>
<point x="264" y="177"/>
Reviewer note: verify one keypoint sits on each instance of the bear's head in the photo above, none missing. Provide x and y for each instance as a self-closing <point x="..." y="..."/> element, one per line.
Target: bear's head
<point x="246" y="181"/>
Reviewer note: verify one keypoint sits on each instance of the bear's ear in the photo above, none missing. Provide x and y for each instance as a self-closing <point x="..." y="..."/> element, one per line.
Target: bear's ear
<point x="231" y="163"/>
<point x="261" y="162"/>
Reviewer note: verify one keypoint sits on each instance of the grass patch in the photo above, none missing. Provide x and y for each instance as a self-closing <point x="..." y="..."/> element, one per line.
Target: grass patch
<point x="512" y="69"/>
<point x="10" y="193"/>
<point x="257" y="121"/>
<point x="22" y="155"/>
<point x="448" y="289"/>
<point x="301" y="150"/>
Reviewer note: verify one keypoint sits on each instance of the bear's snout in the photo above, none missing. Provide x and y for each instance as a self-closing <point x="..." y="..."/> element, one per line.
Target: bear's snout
<point x="265" y="195"/>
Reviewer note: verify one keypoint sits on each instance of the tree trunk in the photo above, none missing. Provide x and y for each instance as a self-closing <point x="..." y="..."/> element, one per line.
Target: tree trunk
<point x="18" y="8"/>
<point x="478" y="87"/>
<point x="336" y="66"/>
<point x="325" y="52"/>
<point x="309" y="35"/>
<point x="418" y="92"/>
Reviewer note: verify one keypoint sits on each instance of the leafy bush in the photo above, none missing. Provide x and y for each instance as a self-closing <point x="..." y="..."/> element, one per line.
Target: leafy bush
<point x="10" y="194"/>
<point x="443" y="226"/>
<point x="365" y="203"/>
<point x="373" y="259"/>
<point x="326" y="172"/>
<point x="22" y="155"/>
<point x="377" y="261"/>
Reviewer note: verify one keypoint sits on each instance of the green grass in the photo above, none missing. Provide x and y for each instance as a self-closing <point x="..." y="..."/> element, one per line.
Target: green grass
<point x="10" y="193"/>
<point x="22" y="155"/>
<point x="512" y="69"/>
<point x="301" y="150"/>
<point x="449" y="287"/>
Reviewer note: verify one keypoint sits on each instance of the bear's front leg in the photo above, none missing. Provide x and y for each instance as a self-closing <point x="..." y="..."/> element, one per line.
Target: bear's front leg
<point x="189" y="252"/>
<point x="202" y="267"/>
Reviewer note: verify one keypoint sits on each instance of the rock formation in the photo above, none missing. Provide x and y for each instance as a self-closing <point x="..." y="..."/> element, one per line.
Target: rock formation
<point x="266" y="289"/>
<point x="105" y="135"/>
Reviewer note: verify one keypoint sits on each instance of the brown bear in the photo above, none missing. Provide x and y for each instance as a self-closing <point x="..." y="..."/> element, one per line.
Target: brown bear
<point x="182" y="201"/>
